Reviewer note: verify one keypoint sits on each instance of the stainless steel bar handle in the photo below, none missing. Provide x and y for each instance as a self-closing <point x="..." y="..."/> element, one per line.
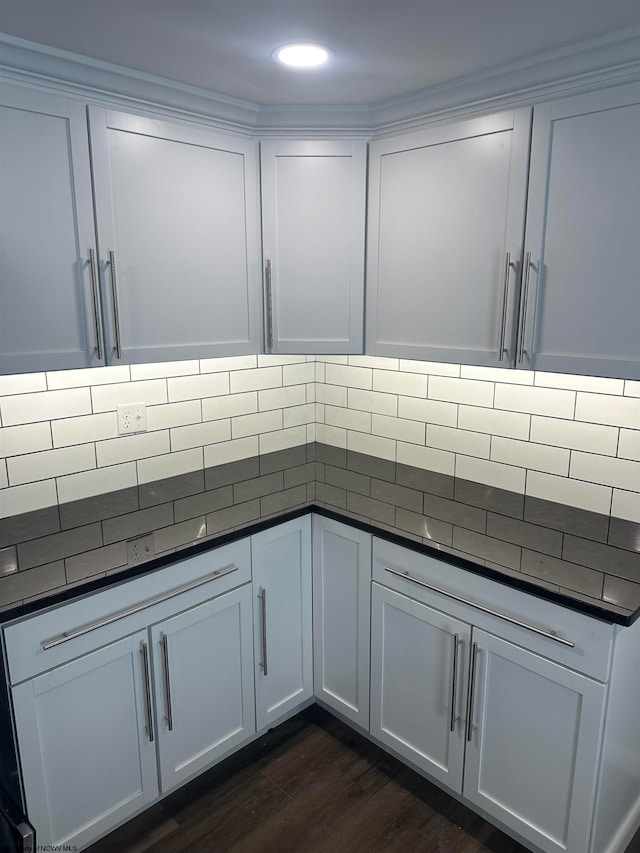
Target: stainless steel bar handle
<point x="269" y="305"/>
<point x="505" y="300"/>
<point x="114" y="296"/>
<point x="454" y="681"/>
<point x="472" y="689"/>
<point x="523" y="312"/>
<point x="144" y="651"/>
<point x="548" y="634"/>
<point x="164" y="642"/>
<point x="121" y="614"/>
<point x="262" y="595"/>
<point x="94" y="297"/>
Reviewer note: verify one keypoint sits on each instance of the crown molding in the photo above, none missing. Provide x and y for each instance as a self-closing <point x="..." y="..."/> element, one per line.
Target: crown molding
<point x="596" y="63"/>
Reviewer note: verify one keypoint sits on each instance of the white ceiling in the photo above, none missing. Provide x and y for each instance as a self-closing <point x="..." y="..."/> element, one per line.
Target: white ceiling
<point x="383" y="48"/>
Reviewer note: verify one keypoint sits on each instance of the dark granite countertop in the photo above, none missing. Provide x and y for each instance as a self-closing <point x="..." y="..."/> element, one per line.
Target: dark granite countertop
<point x="580" y="559"/>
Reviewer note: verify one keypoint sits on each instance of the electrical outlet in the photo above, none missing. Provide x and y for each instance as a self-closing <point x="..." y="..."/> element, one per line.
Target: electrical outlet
<point x="140" y="549"/>
<point x="132" y="417"/>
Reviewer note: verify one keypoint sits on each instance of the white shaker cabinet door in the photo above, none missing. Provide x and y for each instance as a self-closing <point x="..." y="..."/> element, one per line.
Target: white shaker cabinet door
<point x="534" y="732"/>
<point x="203" y="679"/>
<point x="341" y="617"/>
<point x="282" y="630"/>
<point x="445" y="231"/>
<point x="85" y="738"/>
<point x="582" y="263"/>
<point x="49" y="311"/>
<point x="177" y="215"/>
<point x="419" y="660"/>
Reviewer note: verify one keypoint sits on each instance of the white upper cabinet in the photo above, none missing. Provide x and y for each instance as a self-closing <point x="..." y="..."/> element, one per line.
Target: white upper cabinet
<point x="313" y="215"/>
<point x="49" y="312"/>
<point x="446" y="222"/>
<point x="581" y="308"/>
<point x="177" y="218"/>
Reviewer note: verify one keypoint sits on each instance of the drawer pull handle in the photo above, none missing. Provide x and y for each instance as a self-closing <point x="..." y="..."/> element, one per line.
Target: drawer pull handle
<point x="95" y="300"/>
<point x="262" y="595"/>
<point x="454" y="681"/>
<point x="144" y="651"/>
<point x="524" y="297"/>
<point x="114" y="298"/>
<point x="269" y="304"/>
<point x="472" y="689"/>
<point x="508" y="266"/>
<point x="122" y="614"/>
<point x="548" y="634"/>
<point x="164" y="642"/>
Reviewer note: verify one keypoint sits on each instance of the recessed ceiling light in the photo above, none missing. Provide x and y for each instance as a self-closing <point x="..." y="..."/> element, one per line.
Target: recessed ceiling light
<point x="302" y="55"/>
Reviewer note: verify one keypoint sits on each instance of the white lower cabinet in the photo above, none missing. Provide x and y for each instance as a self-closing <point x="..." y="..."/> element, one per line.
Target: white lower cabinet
<point x="281" y="562"/>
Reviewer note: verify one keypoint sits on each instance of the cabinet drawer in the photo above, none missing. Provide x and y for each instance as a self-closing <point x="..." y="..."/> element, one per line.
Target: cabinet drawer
<point x="38" y="643"/>
<point x="570" y="638"/>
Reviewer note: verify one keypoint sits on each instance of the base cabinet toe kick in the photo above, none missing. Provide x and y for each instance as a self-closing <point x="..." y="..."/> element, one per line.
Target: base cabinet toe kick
<point x="523" y="709"/>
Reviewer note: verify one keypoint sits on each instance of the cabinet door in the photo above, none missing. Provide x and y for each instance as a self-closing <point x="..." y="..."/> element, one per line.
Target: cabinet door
<point x="203" y="678"/>
<point x="341" y="617"/>
<point x="313" y="209"/>
<point x="88" y="761"/>
<point x="49" y="312"/>
<point x="178" y="235"/>
<point x="446" y="222"/>
<point x="418" y="672"/>
<point x="531" y="761"/>
<point x="583" y="305"/>
<point x="282" y="619"/>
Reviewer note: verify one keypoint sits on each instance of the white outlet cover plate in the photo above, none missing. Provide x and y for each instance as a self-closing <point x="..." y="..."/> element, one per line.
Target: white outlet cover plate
<point x="132" y="418"/>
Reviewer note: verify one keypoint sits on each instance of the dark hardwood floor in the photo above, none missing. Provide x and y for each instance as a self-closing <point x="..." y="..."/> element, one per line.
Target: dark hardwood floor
<point x="310" y="786"/>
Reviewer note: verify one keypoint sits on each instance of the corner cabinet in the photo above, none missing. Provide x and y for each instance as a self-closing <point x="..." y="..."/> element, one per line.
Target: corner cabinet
<point x="313" y="230"/>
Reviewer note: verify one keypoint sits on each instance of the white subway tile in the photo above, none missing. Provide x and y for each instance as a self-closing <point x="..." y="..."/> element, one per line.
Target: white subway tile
<point x="332" y="359"/>
<point x="224" y="365"/>
<point x="230" y="451"/>
<point x="470" y="391"/>
<point x="629" y="447"/>
<point x="497" y="374"/>
<point x="87" y="376"/>
<point x="348" y="418"/>
<point x="230" y="406"/>
<point x="494" y="421"/>
<point x="373" y="445"/>
<point x="380" y="362"/>
<point x="407" y="384"/>
<point x="526" y="454"/>
<point x="458" y="440"/>
<point x="621" y="473"/>
<point x="398" y="428"/>
<point x="491" y="473"/>
<point x="626" y="505"/>
<point x="199" y="435"/>
<point x="170" y="465"/>
<point x="174" y="414"/>
<point x="577" y="435"/>
<point x="22" y="383"/>
<point x="164" y="369"/>
<point x="632" y="388"/>
<point x="84" y="428"/>
<point x="29" y="408"/>
<point x="334" y="395"/>
<point x="311" y="432"/>
<point x="75" y="487"/>
<point x="51" y="463"/>
<point x="310" y="392"/>
<point x="433" y="368"/>
<point x="272" y="360"/>
<point x="373" y="401"/>
<point x="334" y="436"/>
<point x="4" y="477"/>
<point x="352" y="377"/>
<point x="566" y="491"/>
<point x="129" y="448"/>
<point x="428" y="411"/>
<point x="298" y="374"/>
<point x="255" y="380"/>
<point x="108" y="397"/>
<point x="605" y="409"/>
<point x="319" y="412"/>
<point x="597" y="384"/>
<point x="297" y="415"/>
<point x="320" y="372"/>
<point x="28" y="497"/>
<point x="255" y="424"/>
<point x="284" y="438"/>
<point x="535" y="401"/>
<point x="25" y="439"/>
<point x="279" y="398"/>
<point x="197" y="387"/>
<point x="427" y="458"/>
